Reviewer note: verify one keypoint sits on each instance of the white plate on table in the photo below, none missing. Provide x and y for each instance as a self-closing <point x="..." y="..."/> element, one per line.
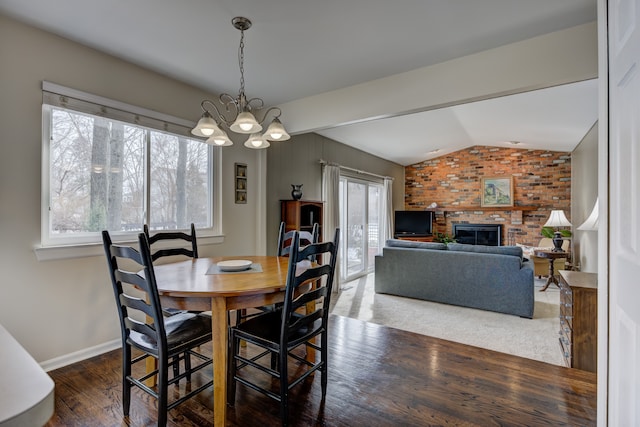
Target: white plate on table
<point x="234" y="265"/>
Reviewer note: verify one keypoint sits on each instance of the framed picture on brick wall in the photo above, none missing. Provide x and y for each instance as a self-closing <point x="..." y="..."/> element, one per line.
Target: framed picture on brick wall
<point x="496" y="191"/>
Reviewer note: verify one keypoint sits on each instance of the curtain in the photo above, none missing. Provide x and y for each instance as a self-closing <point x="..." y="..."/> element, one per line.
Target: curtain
<point x="387" y="211"/>
<point x="331" y="217"/>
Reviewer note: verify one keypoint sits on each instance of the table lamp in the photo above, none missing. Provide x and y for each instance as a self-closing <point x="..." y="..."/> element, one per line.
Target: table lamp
<point x="591" y="223"/>
<point x="557" y="219"/>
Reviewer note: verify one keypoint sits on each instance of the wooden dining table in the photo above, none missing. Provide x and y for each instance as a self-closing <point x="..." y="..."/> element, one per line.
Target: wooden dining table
<point x="187" y="285"/>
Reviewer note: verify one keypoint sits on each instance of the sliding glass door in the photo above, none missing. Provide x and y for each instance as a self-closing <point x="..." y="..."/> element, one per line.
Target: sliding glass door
<point x="360" y="216"/>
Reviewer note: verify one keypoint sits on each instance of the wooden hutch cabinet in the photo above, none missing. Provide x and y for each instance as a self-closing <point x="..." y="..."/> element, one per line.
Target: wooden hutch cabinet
<point x="578" y="319"/>
<point x="301" y="214"/>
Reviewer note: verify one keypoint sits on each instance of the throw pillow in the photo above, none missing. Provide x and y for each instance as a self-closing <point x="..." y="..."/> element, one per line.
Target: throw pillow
<point x="527" y="251"/>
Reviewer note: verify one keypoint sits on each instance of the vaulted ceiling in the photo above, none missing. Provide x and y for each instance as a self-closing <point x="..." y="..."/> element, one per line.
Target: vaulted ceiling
<point x="299" y="49"/>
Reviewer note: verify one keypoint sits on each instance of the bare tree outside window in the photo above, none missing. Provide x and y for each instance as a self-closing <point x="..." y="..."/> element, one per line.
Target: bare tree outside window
<point x="178" y="182"/>
<point x="98" y="179"/>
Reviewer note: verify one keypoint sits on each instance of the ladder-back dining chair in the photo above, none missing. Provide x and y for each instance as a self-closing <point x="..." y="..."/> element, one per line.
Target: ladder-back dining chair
<point x="178" y="238"/>
<point x="282" y="331"/>
<point x="172" y="243"/>
<point x="144" y="327"/>
<point x="305" y="237"/>
<point x="284" y="248"/>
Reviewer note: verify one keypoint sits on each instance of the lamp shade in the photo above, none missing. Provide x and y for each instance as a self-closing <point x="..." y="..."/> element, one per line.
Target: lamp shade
<point x="557" y="218"/>
<point x="219" y="139"/>
<point x="276" y="131"/>
<point x="206" y="126"/>
<point x="256" y="141"/>
<point x="245" y="123"/>
<point x="591" y="223"/>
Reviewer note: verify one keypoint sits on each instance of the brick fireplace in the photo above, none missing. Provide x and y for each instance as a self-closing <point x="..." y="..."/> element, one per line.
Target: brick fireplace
<point x="541" y="182"/>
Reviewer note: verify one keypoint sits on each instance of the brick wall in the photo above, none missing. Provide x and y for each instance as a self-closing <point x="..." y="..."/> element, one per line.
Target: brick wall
<point x="541" y="179"/>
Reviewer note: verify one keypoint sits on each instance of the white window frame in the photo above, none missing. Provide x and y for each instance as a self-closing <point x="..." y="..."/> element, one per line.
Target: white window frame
<point x="90" y="244"/>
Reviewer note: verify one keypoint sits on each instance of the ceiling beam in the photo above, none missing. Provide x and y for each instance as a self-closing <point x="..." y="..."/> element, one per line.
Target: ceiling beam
<point x="552" y="59"/>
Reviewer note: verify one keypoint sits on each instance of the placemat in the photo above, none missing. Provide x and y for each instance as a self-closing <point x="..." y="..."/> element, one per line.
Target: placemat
<point x="256" y="267"/>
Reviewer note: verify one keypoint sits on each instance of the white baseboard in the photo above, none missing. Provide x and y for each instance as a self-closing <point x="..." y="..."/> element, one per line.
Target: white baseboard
<point x="77" y="356"/>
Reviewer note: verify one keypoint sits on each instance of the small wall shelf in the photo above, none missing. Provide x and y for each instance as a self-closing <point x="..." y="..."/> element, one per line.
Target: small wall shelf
<point x="241" y="183"/>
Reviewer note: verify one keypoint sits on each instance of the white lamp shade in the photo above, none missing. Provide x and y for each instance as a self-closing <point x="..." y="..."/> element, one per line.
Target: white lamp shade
<point x="591" y="223"/>
<point x="219" y="139"/>
<point x="206" y="126"/>
<point x="245" y="123"/>
<point x="557" y="219"/>
<point x="256" y="141"/>
<point x="276" y="131"/>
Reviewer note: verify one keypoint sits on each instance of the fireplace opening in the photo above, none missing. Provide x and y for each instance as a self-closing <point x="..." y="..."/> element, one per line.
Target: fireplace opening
<point x="478" y="234"/>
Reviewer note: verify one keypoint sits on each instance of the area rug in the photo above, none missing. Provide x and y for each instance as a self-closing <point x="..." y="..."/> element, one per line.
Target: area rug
<point x="535" y="338"/>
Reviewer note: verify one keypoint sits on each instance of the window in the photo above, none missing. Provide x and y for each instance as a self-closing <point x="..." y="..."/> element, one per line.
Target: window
<point x="117" y="170"/>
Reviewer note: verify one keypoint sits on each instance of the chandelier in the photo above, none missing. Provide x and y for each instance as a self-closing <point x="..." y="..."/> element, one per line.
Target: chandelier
<point x="242" y="120"/>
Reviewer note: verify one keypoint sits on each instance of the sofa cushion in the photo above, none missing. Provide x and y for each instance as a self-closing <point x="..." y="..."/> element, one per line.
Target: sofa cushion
<point x="398" y="243"/>
<point x="529" y="251"/>
<point x="498" y="250"/>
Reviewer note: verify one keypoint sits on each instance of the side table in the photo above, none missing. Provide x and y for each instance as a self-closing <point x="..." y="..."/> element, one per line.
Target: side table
<point x="551" y="256"/>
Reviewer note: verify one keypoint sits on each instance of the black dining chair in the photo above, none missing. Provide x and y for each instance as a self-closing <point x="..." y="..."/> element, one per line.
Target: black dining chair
<point x="306" y="238"/>
<point x="284" y="248"/>
<point x="145" y="328"/>
<point x="281" y="332"/>
<point x="178" y="238"/>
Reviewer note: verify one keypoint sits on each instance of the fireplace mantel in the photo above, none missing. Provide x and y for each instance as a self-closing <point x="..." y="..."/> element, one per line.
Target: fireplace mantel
<point x="512" y="217"/>
<point x="485" y="208"/>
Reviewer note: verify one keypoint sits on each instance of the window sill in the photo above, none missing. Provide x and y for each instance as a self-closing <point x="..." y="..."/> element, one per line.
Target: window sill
<point x="51" y="253"/>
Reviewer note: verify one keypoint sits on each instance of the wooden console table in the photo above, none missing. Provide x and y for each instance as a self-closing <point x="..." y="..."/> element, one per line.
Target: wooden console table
<point x="579" y="319"/>
<point x="415" y="238"/>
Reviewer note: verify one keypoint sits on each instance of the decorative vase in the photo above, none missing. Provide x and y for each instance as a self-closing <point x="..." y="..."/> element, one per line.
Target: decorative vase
<point x="296" y="193"/>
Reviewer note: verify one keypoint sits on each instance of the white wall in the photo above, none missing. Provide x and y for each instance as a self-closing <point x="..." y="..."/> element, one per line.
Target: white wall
<point x="54" y="308"/>
<point x="584" y="191"/>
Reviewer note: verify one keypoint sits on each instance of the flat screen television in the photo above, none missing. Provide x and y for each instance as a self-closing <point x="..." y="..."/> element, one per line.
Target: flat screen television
<point x="413" y="223"/>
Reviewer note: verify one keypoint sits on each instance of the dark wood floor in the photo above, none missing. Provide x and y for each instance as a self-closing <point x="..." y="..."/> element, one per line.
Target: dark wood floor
<point x="378" y="376"/>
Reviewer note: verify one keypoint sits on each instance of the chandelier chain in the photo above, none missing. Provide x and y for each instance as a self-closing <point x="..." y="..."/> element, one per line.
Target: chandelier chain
<point x="241" y="62"/>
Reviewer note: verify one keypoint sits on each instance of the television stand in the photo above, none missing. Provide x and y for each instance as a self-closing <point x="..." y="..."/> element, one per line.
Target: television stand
<point x="415" y="237"/>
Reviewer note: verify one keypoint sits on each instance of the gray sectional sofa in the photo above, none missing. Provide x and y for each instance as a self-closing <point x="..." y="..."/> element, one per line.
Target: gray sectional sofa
<point x="494" y="278"/>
